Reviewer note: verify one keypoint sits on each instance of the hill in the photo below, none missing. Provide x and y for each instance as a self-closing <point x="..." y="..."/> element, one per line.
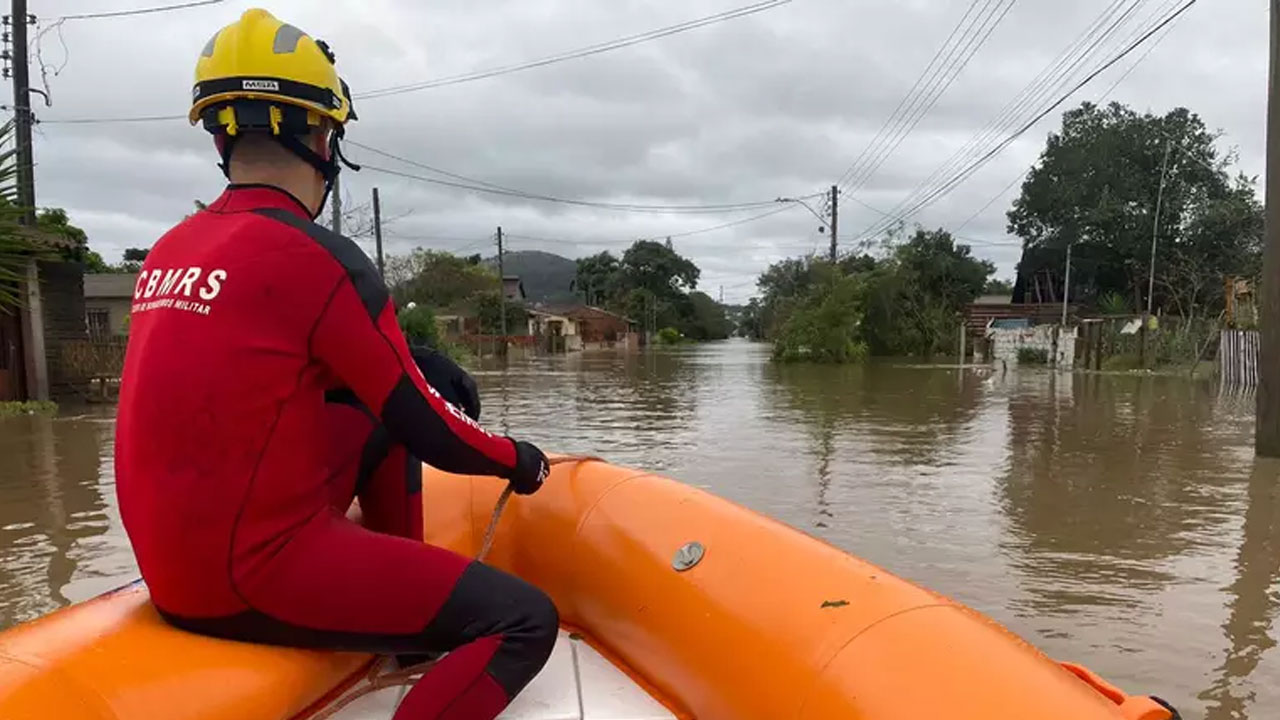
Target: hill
<point x="546" y="276"/>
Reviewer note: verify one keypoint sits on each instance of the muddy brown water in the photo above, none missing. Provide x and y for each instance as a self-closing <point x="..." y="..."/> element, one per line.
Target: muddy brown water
<point x="1119" y="522"/>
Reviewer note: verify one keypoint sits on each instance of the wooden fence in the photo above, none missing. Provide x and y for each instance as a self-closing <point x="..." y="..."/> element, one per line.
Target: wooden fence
<point x="1238" y="358"/>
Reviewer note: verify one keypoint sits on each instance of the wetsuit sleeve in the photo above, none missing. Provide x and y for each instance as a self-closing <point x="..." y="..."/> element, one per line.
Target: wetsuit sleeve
<point x="356" y="336"/>
<point x="358" y="339"/>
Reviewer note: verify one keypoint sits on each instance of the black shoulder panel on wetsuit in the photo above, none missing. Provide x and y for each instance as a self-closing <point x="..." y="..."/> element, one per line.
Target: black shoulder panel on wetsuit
<point x="364" y="276"/>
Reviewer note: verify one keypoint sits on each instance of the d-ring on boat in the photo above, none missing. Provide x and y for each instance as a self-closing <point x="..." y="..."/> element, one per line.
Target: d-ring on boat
<point x="676" y="604"/>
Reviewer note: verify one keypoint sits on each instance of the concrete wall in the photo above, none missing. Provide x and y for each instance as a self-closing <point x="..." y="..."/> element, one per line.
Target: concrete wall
<point x="62" y="305"/>
<point x="1005" y="344"/>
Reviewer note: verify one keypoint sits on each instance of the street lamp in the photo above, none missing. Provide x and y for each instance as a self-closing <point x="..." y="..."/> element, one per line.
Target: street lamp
<point x="821" y="228"/>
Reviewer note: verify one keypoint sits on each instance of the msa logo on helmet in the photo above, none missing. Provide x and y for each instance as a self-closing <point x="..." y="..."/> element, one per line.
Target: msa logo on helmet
<point x="267" y="85"/>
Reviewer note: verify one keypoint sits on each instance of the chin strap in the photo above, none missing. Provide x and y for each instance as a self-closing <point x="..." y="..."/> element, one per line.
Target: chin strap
<point x="327" y="167"/>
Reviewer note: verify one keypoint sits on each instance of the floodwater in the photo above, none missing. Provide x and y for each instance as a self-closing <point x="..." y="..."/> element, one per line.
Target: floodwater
<point x="1118" y="522"/>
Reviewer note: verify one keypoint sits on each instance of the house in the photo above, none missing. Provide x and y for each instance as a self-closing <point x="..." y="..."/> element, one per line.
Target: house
<point x="513" y="289"/>
<point x="558" y="332"/>
<point x="601" y="328"/>
<point x="34" y="337"/>
<point x="108" y="298"/>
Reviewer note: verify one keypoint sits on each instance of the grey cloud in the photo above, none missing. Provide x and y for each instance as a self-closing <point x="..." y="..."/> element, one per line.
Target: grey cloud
<point x="778" y="103"/>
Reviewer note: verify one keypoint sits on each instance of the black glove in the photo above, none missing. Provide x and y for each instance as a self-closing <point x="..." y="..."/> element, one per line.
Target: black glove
<point x="531" y="468"/>
<point x="452" y="382"/>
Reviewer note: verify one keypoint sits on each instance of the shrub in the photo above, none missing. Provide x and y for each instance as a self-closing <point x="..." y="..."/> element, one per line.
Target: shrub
<point x="669" y="336"/>
<point x="418" y="324"/>
<point x="14" y="409"/>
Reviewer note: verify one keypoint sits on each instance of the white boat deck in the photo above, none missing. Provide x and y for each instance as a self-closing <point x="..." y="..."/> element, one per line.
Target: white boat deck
<point x="576" y="684"/>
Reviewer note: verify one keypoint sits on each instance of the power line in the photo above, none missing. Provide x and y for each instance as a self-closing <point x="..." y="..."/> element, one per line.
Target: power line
<point x="478" y="74"/>
<point x="1102" y="98"/>
<point x="579" y="53"/>
<point x="141" y="11"/>
<point x="937" y="77"/>
<point x="474" y="185"/>
<point x="1054" y="74"/>
<point x="970" y="169"/>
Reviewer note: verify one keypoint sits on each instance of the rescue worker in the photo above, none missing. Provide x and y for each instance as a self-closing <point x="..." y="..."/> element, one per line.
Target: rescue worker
<point x="267" y="382"/>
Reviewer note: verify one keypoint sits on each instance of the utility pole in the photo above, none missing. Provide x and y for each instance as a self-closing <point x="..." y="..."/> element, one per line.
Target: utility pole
<point x="377" y="232"/>
<point x="1155" y="235"/>
<point x="22" y="112"/>
<point x="502" y="292"/>
<point x="1066" y="289"/>
<point x="336" y="200"/>
<point x="1267" y="432"/>
<point x="721" y="294"/>
<point x="835" y="222"/>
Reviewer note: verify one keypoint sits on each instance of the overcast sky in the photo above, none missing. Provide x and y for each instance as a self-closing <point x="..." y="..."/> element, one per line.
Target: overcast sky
<point x="778" y="103"/>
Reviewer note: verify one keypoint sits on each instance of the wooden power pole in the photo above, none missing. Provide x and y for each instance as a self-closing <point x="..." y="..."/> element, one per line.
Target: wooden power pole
<point x="19" y="20"/>
<point x="377" y="232"/>
<point x="1267" y="432"/>
<point x="835" y="222"/>
<point x="502" y="291"/>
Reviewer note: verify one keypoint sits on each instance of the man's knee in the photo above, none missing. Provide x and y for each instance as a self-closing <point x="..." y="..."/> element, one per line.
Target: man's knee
<point x="543" y="622"/>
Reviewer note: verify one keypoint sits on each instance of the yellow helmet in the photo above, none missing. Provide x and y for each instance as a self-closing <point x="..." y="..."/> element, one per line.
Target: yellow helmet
<point x="260" y="75"/>
<point x="261" y="58"/>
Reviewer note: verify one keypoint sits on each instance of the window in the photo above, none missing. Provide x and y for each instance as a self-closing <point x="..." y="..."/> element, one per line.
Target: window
<point x="99" y="323"/>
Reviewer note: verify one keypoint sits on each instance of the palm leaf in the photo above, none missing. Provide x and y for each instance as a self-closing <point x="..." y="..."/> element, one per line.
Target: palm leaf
<point x="16" y="247"/>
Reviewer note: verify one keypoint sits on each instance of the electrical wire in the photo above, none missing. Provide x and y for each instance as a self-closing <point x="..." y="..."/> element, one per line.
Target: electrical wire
<point x="141" y="11"/>
<point x="579" y="53"/>
<point x="938" y="76"/>
<point x="1057" y="72"/>
<point x="482" y="186"/>
<point x="1053" y="76"/>
<point x="964" y="174"/>
<point x="1101" y="98"/>
<point x="474" y="75"/>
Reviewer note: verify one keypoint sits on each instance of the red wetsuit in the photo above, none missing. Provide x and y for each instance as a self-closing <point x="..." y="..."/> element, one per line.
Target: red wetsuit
<point x="266" y="383"/>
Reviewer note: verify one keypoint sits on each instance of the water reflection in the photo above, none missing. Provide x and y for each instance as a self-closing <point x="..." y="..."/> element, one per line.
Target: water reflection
<point x="52" y="508"/>
<point x="1119" y="522"/>
<point x="1254" y="600"/>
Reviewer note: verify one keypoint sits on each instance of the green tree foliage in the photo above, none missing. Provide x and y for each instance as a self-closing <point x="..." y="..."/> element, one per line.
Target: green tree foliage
<point x="15" y="248"/>
<point x="670" y="336"/>
<point x="707" y="321"/>
<point x="133" y="260"/>
<point x="916" y="296"/>
<point x="418" y="323"/>
<point x="908" y="303"/>
<point x="437" y="279"/>
<point x="825" y="324"/>
<point x="654" y="285"/>
<point x="995" y="286"/>
<point x="659" y="269"/>
<point x="598" y="280"/>
<point x="489" y="311"/>
<point x="1096" y="186"/>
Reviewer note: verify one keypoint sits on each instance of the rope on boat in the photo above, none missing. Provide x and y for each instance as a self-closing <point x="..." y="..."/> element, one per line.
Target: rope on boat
<point x="407" y="676"/>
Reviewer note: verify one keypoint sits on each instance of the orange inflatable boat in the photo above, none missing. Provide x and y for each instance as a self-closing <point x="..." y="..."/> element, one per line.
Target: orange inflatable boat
<point x="717" y="613"/>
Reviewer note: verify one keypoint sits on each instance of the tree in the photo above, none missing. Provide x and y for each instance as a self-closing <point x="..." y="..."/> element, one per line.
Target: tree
<point x="657" y="268"/>
<point x="133" y="260"/>
<point x="916" y="297"/>
<point x="1096" y="187"/>
<point x="437" y="279"/>
<point x="996" y="286"/>
<point x="826" y="324"/>
<point x="908" y="303"/>
<point x="598" y="279"/>
<point x="489" y="307"/>
<point x="707" y="320"/>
